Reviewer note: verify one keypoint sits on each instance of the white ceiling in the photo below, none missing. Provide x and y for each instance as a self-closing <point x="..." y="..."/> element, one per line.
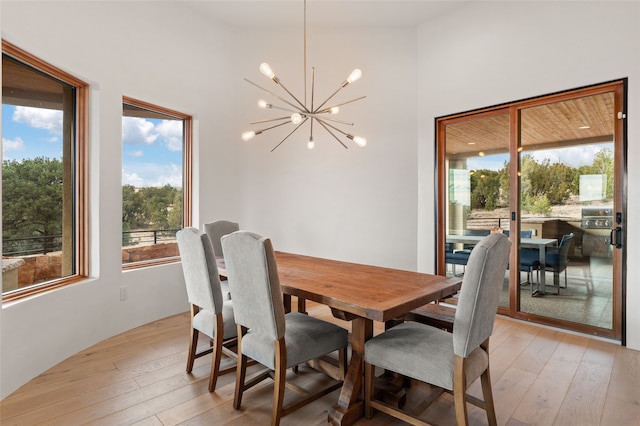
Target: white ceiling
<point x="333" y="13"/>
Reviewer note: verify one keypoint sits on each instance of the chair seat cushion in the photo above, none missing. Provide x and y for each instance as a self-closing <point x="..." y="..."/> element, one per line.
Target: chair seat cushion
<point x="204" y="321"/>
<point x="305" y="338"/>
<point x="395" y="350"/>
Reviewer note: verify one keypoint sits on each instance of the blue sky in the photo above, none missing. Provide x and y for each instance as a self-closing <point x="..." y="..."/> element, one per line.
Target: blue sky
<point x="151" y="151"/>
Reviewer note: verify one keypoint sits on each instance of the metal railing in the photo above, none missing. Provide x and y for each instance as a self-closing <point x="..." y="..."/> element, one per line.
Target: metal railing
<point x="31" y="245"/>
<point x="13" y="247"/>
<point x="148" y="237"/>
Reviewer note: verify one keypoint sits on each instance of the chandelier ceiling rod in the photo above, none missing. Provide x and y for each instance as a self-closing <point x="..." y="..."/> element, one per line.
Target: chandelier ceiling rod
<point x="300" y="113"/>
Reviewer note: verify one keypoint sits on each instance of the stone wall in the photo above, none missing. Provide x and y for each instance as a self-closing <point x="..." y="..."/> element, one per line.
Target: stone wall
<point x="40" y="268"/>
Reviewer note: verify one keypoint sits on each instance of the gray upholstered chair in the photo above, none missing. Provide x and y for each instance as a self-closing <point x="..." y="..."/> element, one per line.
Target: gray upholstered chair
<point x="450" y="361"/>
<point x="215" y="231"/>
<point x="218" y="229"/>
<point x="210" y="314"/>
<point x="265" y="333"/>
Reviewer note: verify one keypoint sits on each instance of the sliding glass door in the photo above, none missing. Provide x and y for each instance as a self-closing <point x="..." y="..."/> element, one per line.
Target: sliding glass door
<point x="551" y="171"/>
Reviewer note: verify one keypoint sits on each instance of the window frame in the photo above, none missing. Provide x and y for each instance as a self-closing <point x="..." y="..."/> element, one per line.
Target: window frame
<point x="80" y="160"/>
<point x="187" y="174"/>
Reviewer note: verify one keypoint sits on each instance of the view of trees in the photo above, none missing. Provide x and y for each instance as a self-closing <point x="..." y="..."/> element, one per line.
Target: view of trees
<point x="32" y="201"/>
<point x="151" y="208"/>
<point x="31" y="198"/>
<point x="544" y="184"/>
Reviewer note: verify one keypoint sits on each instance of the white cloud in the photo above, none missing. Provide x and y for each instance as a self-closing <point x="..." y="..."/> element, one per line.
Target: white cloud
<point x="39" y="118"/>
<point x="152" y="174"/>
<point x="169" y="174"/>
<point x="136" y="131"/>
<point x="575" y="156"/>
<point x="137" y="153"/>
<point x="132" y="179"/>
<point x="12" y="145"/>
<point x="171" y="131"/>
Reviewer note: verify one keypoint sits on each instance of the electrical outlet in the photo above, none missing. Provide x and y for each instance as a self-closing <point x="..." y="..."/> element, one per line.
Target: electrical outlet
<point x="124" y="293"/>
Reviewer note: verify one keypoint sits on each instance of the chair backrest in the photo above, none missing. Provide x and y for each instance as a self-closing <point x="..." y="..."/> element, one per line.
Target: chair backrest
<point x="480" y="293"/>
<point x="476" y="232"/>
<point x="523" y="234"/>
<point x="200" y="269"/>
<point x="255" y="286"/>
<point x="560" y="258"/>
<point x="218" y="229"/>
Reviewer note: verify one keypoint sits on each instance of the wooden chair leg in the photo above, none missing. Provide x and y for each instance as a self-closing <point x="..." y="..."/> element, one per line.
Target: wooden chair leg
<point x="460" y="391"/>
<point x="216" y="356"/>
<point x="241" y="372"/>
<point x="487" y="395"/>
<point x="280" y="376"/>
<point x="369" y="379"/>
<point x="193" y="341"/>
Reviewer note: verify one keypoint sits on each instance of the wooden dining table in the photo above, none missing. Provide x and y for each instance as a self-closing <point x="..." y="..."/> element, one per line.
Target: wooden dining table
<point x="361" y="294"/>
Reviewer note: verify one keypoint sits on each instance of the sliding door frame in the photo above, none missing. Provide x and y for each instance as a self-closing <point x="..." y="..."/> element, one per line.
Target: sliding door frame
<point x="619" y="88"/>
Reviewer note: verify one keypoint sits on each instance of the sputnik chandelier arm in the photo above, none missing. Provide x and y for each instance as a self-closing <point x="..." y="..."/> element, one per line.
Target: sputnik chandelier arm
<point x="300" y="112"/>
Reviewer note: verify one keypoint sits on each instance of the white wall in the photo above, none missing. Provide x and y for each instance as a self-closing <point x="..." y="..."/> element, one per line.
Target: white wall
<point x="494" y="52"/>
<point x="355" y="204"/>
<point x="156" y="54"/>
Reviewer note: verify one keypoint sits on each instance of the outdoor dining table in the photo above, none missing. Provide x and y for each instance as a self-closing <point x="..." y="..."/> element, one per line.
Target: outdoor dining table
<point x="538" y="243"/>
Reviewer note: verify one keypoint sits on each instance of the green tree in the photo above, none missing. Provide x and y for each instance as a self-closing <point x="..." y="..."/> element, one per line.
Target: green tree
<point x="32" y="197"/>
<point x="485" y="189"/>
<point x="175" y="214"/>
<point x="554" y="181"/>
<point x="133" y="212"/>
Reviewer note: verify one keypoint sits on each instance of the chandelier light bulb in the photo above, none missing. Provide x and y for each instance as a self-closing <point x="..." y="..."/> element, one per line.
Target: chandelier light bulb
<point x="335" y="110"/>
<point x="246" y="136"/>
<point x="296" y="118"/>
<point x="311" y="144"/>
<point x="354" y="76"/>
<point x="263" y="104"/>
<point x="360" y="141"/>
<point x="266" y="70"/>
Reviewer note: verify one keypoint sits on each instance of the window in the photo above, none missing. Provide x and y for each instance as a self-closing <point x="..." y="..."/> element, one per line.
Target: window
<point x="156" y="182"/>
<point x="43" y="175"/>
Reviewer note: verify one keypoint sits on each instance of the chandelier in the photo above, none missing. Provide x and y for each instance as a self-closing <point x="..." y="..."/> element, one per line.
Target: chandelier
<point x="299" y="113"/>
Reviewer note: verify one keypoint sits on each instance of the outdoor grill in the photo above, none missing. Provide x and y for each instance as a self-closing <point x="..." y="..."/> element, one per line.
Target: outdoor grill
<point x="597" y="217"/>
<point x="597" y="221"/>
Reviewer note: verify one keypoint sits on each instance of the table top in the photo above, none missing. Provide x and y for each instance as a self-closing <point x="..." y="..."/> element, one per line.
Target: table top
<point x="371" y="292"/>
<point x="524" y="242"/>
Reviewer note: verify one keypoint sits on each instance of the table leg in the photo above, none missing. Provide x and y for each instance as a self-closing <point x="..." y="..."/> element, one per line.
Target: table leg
<point x="541" y="281"/>
<point x="350" y="406"/>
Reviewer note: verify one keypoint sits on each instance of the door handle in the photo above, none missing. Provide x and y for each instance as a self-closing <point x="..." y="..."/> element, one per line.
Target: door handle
<point x="618" y="237"/>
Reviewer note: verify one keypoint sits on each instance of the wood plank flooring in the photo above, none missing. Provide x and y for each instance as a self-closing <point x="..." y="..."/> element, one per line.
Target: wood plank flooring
<point x="540" y="377"/>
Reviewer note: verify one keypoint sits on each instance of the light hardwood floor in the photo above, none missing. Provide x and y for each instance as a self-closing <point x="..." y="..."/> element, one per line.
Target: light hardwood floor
<point x="540" y="377"/>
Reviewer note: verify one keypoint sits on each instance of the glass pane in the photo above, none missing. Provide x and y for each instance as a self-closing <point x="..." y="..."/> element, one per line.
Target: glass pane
<point x="152" y="184"/>
<point x="477" y="200"/>
<point x="38" y="241"/>
<point x="567" y="198"/>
